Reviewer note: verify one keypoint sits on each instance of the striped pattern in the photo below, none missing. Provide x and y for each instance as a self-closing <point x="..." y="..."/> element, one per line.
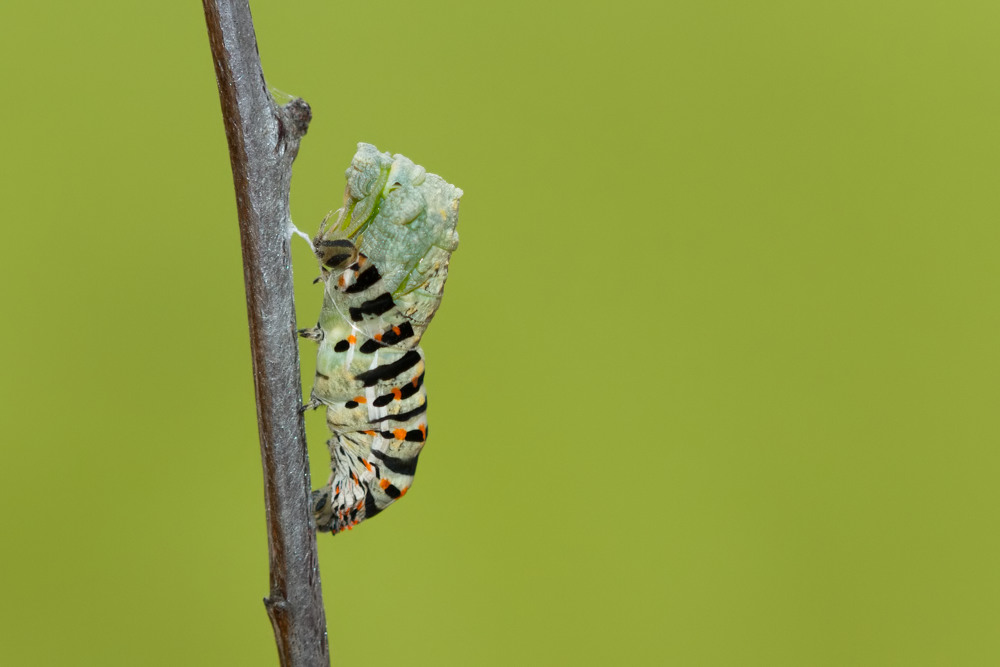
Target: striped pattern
<point x="384" y="261"/>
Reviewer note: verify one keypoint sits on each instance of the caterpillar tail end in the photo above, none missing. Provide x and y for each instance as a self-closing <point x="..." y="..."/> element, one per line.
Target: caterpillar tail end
<point x="332" y="518"/>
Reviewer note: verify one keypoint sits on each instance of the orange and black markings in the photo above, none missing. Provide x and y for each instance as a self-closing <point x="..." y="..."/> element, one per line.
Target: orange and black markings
<point x="384" y="261"/>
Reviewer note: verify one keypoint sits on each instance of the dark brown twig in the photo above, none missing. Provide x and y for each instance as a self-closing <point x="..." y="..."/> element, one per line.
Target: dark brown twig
<point x="263" y="141"/>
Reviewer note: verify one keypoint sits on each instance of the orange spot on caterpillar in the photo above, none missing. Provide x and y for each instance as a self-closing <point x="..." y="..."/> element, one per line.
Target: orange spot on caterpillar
<point x="402" y="492"/>
<point x="362" y="259"/>
<point x="378" y="337"/>
<point x="355" y="478"/>
<point x="396" y="330"/>
<point x="414" y="380"/>
<point x="372" y="433"/>
<point x="384" y="483"/>
<point x="360" y="504"/>
<point x="423" y="429"/>
<point x="399" y="434"/>
<point x="340" y="281"/>
<point x="359" y="399"/>
<point x="351" y="339"/>
<point x="367" y="465"/>
<point x="397" y="394"/>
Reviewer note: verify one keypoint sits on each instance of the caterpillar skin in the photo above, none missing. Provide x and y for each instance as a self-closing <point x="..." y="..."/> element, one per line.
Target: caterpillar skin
<point x="384" y="261"/>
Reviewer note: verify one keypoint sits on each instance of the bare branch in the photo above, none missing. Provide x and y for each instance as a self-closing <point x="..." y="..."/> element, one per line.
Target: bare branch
<point x="263" y="141"/>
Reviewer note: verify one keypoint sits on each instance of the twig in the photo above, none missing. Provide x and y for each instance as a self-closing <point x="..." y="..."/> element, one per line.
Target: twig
<point x="263" y="141"/>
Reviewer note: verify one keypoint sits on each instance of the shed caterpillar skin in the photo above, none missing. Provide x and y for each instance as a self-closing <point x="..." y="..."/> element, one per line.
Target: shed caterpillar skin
<point x="384" y="261"/>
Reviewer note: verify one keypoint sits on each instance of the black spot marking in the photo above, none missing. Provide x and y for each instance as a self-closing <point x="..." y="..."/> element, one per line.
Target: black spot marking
<point x="334" y="261"/>
<point x="409" y="389"/>
<point x="389" y="371"/>
<point x="366" y="279"/>
<point x="392" y="492"/>
<point x="320" y="375"/>
<point x="350" y="405"/>
<point x="341" y="346"/>
<point x="380" y="304"/>
<point x="371" y="509"/>
<point x="390" y="337"/>
<point x="383" y="400"/>
<point x="407" y="467"/>
<point x="388" y="435"/>
<point x="370" y="346"/>
<point x="416" y="435"/>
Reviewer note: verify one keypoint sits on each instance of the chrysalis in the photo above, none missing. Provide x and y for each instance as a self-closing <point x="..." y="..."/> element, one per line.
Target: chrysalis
<point x="384" y="260"/>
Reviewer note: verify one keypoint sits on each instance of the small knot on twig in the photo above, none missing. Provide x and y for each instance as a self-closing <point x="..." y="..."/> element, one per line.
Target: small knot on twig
<point x="275" y="604"/>
<point x="298" y="113"/>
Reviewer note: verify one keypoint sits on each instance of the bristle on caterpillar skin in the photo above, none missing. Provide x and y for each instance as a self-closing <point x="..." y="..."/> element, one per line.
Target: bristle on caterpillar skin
<point x="384" y="260"/>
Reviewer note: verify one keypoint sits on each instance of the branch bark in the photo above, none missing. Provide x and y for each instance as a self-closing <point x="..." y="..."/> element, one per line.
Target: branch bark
<point x="263" y="141"/>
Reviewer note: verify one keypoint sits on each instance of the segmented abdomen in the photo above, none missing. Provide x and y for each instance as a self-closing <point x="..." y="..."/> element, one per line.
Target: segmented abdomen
<point x="385" y="259"/>
<point x="369" y="375"/>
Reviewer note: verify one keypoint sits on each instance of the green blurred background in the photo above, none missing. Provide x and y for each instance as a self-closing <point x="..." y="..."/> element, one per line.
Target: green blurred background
<point x="715" y="381"/>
